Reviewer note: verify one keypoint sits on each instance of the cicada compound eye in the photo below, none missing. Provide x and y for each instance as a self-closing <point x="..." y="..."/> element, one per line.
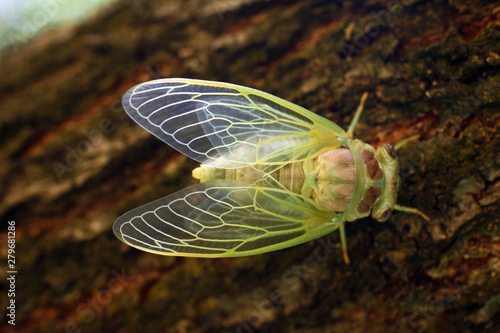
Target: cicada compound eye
<point x="390" y="150"/>
<point x="384" y="216"/>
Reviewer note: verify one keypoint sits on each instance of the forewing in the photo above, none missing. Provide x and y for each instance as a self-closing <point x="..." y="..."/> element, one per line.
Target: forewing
<point x="229" y="126"/>
<point x="223" y="218"/>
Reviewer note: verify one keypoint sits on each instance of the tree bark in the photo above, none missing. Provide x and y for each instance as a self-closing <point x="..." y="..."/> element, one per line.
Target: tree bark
<point x="74" y="162"/>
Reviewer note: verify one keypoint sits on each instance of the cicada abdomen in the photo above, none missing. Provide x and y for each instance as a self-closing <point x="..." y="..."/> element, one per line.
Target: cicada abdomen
<point x="272" y="174"/>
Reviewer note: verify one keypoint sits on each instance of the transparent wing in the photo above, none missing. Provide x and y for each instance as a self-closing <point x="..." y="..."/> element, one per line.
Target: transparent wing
<point x="229" y="126"/>
<point x="223" y="218"/>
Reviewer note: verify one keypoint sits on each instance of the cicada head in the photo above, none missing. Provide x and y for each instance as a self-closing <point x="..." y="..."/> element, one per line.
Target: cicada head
<point x="389" y="165"/>
<point x="377" y="180"/>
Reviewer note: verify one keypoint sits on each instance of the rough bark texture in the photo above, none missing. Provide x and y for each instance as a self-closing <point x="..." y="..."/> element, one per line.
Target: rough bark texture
<point x="72" y="162"/>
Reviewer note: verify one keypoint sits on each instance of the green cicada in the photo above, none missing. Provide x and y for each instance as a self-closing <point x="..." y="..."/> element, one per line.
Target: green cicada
<point x="273" y="174"/>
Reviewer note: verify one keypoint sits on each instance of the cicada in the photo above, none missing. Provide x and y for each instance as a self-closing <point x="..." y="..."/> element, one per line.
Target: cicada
<point x="272" y="174"/>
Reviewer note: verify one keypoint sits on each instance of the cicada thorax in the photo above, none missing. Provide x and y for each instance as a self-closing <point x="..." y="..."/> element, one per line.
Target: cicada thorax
<point x="332" y="179"/>
<point x="338" y="180"/>
<point x="354" y="180"/>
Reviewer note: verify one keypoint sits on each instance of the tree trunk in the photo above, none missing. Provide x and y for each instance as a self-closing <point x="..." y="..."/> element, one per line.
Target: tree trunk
<point x="73" y="162"/>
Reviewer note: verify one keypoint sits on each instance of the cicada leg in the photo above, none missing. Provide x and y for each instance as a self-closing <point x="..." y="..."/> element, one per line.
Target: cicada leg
<point x="405" y="209"/>
<point x="411" y="210"/>
<point x="350" y="131"/>
<point x="359" y="110"/>
<point x="343" y="242"/>
<point x="403" y="143"/>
